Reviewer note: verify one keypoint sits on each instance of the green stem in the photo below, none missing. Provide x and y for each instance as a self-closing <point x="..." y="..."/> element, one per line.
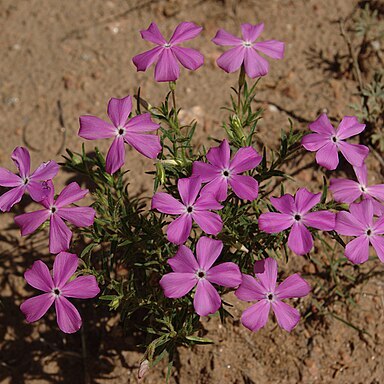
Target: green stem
<point x="241" y="84"/>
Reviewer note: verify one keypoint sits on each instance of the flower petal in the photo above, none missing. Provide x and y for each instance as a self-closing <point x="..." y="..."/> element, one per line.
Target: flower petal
<point x="250" y="289"/>
<point x="116" y="155"/>
<point x="167" y="68"/>
<point x="176" y="285"/>
<point x="377" y="191"/>
<point x="378" y="244"/>
<point x="11" y="197"/>
<point x="345" y="191"/>
<point x="9" y="179"/>
<point x="153" y="35"/>
<point x="349" y="127"/>
<point x="179" y="230"/>
<point x="59" y="235"/>
<point x="83" y="287"/>
<point x="185" y="31"/>
<point x="206" y="300"/>
<point x="39" y="277"/>
<point x="273" y="222"/>
<point x="225" y="38"/>
<point x="189" y="188"/>
<point x="68" y="317"/>
<point x="184" y="261"/>
<point x="22" y="160"/>
<point x="225" y="274"/>
<point x="220" y="156"/>
<point x="148" y="145"/>
<point x="144" y="60"/>
<point x="166" y="203"/>
<point x="355" y="154"/>
<point x="36" y="307"/>
<point x="217" y="189"/>
<point x="361" y="174"/>
<point x="64" y="267"/>
<point x="78" y="216"/>
<point x="119" y="110"/>
<point x="305" y="200"/>
<point x="322" y="125"/>
<point x="254" y="64"/>
<point x="207" y="200"/>
<point x="29" y="222"/>
<point x="348" y="225"/>
<point x="245" y="187"/>
<point x="188" y="57"/>
<point x="256" y="316"/>
<point x="284" y="204"/>
<point x="245" y="159"/>
<point x="93" y="128"/>
<point x="141" y="123"/>
<point x="363" y="212"/>
<point x="287" y="317"/>
<point x="271" y="48"/>
<point x="323" y="220"/>
<point x="207" y="172"/>
<point x="293" y="286"/>
<point x="209" y="222"/>
<point x="328" y="156"/>
<point x="231" y="60"/>
<point x="70" y="194"/>
<point x="357" y="250"/>
<point x="207" y="252"/>
<point x="314" y="141"/>
<point x="266" y="271"/>
<point x="251" y="32"/>
<point x="46" y="171"/>
<point x="300" y="239"/>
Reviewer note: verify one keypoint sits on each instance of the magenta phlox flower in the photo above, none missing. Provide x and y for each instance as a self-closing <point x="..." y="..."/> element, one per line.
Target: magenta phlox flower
<point x="190" y="208"/>
<point x="56" y="211"/>
<point x="223" y="171"/>
<point x="263" y="289"/>
<point x="57" y="288"/>
<point x="358" y="222"/>
<point x="348" y="191"/>
<point x="167" y="53"/>
<point x="294" y="213"/>
<point x="25" y="181"/>
<point x="245" y="50"/>
<point x="328" y="141"/>
<point x="124" y="130"/>
<point x="189" y="272"/>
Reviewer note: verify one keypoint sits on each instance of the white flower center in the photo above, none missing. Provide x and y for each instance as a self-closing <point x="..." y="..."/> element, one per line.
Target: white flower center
<point x="369" y="232"/>
<point x="167" y="45"/>
<point x="334" y="139"/>
<point x="270" y="296"/>
<point x="26" y="181"/>
<point x="297" y="217"/>
<point x="201" y="274"/>
<point x="226" y="173"/>
<point x="363" y="188"/>
<point x="53" y="209"/>
<point x="247" y="44"/>
<point x="120" y="131"/>
<point x="56" y="292"/>
<point x="189" y="209"/>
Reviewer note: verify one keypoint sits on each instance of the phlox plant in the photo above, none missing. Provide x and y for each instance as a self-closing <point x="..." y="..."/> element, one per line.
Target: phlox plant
<point x="213" y="223"/>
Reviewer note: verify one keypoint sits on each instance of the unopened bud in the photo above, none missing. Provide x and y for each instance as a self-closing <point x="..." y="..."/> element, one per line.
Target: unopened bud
<point x="143" y="369"/>
<point x="160" y="172"/>
<point x="237" y="127"/>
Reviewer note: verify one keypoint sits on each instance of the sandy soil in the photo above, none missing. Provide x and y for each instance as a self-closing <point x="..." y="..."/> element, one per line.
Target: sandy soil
<point x="61" y="59"/>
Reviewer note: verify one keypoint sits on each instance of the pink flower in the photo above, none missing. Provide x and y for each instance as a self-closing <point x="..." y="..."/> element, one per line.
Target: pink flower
<point x="189" y="272"/>
<point x="27" y="181"/>
<point x="348" y="191"/>
<point x="122" y="129"/>
<point x="245" y="50"/>
<point x="222" y="171"/>
<point x="359" y="222"/>
<point x="57" y="289"/>
<point x="56" y="211"/>
<point x="327" y="141"/>
<point x="166" y="54"/>
<point x="189" y="209"/>
<point x="264" y="289"/>
<point x="295" y="213"/>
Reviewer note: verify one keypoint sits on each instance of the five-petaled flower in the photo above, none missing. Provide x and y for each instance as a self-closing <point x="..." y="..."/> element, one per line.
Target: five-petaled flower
<point x="131" y="131"/>
<point x="348" y="191"/>
<point x="327" y="141"/>
<point x="25" y="181"/>
<point x="263" y="289"/>
<point x="359" y="222"/>
<point x="167" y="53"/>
<point x="189" y="209"/>
<point x="57" y="288"/>
<point x="223" y="171"/>
<point x="244" y="51"/>
<point x="295" y="213"/>
<point x="189" y="272"/>
<point x="56" y="211"/>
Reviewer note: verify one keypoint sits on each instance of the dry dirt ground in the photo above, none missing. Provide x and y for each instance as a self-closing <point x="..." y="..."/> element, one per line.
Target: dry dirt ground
<point x="63" y="58"/>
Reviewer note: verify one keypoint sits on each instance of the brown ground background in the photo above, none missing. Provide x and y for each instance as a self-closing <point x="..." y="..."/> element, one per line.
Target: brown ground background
<point x="61" y="59"/>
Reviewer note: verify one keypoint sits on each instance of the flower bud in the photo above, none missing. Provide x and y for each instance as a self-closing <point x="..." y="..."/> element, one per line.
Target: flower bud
<point x="143" y="369"/>
<point x="237" y="128"/>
